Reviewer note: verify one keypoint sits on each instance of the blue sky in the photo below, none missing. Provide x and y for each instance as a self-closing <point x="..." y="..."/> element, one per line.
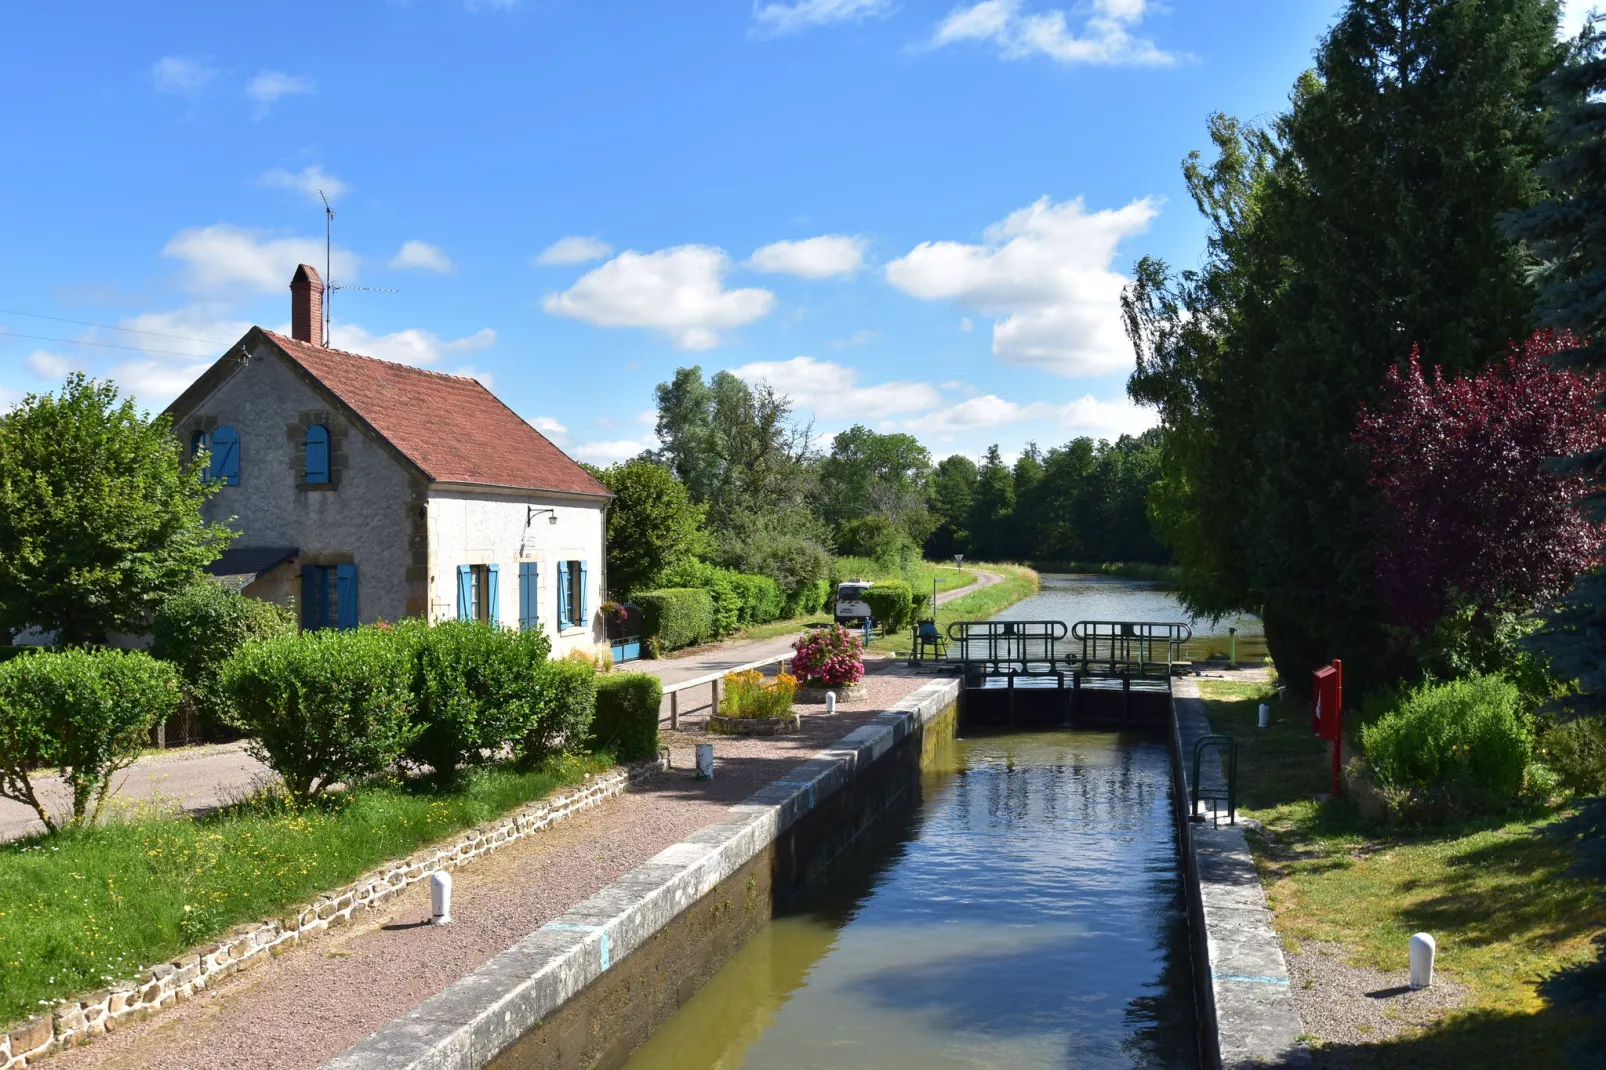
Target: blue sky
<point x="912" y="215"/>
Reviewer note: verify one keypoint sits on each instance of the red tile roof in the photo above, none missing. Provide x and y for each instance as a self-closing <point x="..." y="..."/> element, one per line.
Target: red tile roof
<point x="448" y="425"/>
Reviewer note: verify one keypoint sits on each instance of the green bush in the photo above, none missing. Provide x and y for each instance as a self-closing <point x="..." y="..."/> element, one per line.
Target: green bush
<point x="198" y="629"/>
<point x="891" y="603"/>
<point x="627" y="715"/>
<point x="676" y="616"/>
<point x="762" y="600"/>
<point x="1576" y="752"/>
<point x="807" y="599"/>
<point x="87" y="713"/>
<point x="474" y="690"/>
<point x="565" y="701"/>
<point x="1448" y="747"/>
<point x="919" y="604"/>
<point x="325" y="706"/>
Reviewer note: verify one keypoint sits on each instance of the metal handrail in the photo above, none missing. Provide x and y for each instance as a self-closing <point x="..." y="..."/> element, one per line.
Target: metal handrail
<point x="1199" y="748"/>
<point x="1128" y="645"/>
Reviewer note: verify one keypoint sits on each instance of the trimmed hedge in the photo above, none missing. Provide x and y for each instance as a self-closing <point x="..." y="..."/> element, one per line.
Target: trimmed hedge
<point x="761" y="596"/>
<point x="85" y="712"/>
<point x="565" y="702"/>
<point x="674" y="617"/>
<point x="325" y="706"/>
<point x="198" y="629"/>
<point x="808" y="599"/>
<point x="627" y="715"/>
<point x="891" y="604"/>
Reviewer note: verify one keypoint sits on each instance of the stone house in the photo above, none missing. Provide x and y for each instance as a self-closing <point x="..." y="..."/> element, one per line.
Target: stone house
<point x="365" y="490"/>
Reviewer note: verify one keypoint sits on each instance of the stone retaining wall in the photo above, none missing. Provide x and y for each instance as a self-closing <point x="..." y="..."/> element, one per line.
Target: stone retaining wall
<point x="161" y="986"/>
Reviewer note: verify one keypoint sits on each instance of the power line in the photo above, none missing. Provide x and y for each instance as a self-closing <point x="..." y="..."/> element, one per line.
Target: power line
<point x="104" y="345"/>
<point x="109" y="327"/>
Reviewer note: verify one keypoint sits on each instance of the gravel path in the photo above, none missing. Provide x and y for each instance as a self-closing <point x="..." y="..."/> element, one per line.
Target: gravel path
<point x="188" y="778"/>
<point x="314" y="1002"/>
<point x="1348" y="1005"/>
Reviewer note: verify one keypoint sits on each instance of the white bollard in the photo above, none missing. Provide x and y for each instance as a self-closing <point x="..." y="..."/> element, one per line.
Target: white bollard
<point x="705" y="761"/>
<point x="440" y="898"/>
<point x="1422" y="950"/>
<point x="830" y="702"/>
<point x="1265" y="715"/>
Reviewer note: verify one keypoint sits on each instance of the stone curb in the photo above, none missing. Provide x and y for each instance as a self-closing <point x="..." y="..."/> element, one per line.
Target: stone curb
<point x="1246" y="998"/>
<point x="478" y="1017"/>
<point x="77" y="1022"/>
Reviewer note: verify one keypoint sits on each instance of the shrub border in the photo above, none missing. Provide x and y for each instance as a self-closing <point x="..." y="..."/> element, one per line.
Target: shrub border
<point x="79" y="1021"/>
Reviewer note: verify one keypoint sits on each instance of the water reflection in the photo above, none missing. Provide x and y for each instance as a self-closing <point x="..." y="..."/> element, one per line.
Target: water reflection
<point x="1026" y="914"/>
<point x="1074" y="598"/>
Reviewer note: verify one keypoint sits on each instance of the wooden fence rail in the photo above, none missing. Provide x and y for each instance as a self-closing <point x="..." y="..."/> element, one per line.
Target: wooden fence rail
<point x="714" y="678"/>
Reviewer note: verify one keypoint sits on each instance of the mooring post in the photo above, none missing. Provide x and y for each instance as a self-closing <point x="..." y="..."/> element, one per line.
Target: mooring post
<point x="674" y="709"/>
<point x="715" y="708"/>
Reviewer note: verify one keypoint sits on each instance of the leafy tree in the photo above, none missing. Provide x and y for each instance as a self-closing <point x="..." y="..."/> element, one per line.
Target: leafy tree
<point x="652" y="523"/>
<point x="1026" y="520"/>
<point x="874" y="537"/>
<point x="1060" y="529"/>
<point x="1364" y="220"/>
<point x="953" y="491"/>
<point x="200" y="628"/>
<point x="991" y="506"/>
<point x="1567" y="231"/>
<point x="99" y="519"/>
<point x="867" y="474"/>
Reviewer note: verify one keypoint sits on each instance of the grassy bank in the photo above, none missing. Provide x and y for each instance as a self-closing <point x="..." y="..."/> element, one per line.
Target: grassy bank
<point x="88" y="907"/>
<point x="1019" y="582"/>
<point x="1495" y="892"/>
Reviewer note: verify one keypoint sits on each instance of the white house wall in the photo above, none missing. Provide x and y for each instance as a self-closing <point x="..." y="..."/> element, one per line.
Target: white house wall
<point x="364" y="514"/>
<point x="473" y="527"/>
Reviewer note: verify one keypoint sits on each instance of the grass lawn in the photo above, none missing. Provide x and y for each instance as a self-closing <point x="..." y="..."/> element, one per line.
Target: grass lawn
<point x="1495" y="892"/>
<point x="1018" y="583"/>
<point x="85" y="908"/>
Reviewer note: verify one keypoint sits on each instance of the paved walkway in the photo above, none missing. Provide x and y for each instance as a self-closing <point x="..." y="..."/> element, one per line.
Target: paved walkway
<point x="188" y="778"/>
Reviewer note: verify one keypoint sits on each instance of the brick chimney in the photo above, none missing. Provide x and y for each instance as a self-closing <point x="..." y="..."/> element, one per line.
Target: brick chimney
<point x="306" y="305"/>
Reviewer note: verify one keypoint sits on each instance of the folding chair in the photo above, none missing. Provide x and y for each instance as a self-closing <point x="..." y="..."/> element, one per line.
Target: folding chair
<point x="927" y="635"/>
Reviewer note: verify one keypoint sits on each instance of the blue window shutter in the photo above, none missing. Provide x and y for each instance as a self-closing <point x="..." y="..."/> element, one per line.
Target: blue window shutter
<point x="465" y="592"/>
<point x="563" y="594"/>
<point x="317" y="470"/>
<point x="198" y="444"/>
<point x="226" y="456"/>
<point x="529" y="592"/>
<point x="346" y="595"/>
<point x="493" y="588"/>
<point x="583" y="618"/>
<point x="309" y="596"/>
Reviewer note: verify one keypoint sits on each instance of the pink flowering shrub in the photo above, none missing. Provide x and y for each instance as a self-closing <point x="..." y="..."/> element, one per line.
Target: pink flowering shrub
<point x="829" y="657"/>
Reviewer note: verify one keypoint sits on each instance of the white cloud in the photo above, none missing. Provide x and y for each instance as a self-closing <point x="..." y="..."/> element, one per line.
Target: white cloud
<point x="48" y="365"/>
<point x="155" y="383"/>
<point x="775" y="18"/>
<point x="832" y="391"/>
<point x="1574" y="13"/>
<point x="1046" y="271"/>
<point x="414" y="346"/>
<point x="575" y="249"/>
<point x="266" y="88"/>
<point x="9" y="398"/>
<point x="309" y="181"/>
<point x="180" y="74"/>
<point x="1086" y="415"/>
<point x="223" y="256"/>
<point x="857" y="338"/>
<point x="1105" y="37"/>
<point x="965" y="324"/>
<point x="192" y="332"/>
<point x="648" y="417"/>
<point x="812" y="258"/>
<point x="550" y="428"/>
<point x="679" y="291"/>
<point x="611" y="452"/>
<point x="422" y="255"/>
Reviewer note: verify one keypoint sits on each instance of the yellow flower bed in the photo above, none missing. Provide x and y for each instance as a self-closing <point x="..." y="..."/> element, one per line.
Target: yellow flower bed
<point x="750" y="694"/>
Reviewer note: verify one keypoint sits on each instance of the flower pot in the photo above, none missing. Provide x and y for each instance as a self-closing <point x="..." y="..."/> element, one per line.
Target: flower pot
<point x="753" y="726"/>
<point x="844" y="693"/>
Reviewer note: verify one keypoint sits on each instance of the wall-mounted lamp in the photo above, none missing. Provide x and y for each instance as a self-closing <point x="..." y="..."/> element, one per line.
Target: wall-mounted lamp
<point x="532" y="512"/>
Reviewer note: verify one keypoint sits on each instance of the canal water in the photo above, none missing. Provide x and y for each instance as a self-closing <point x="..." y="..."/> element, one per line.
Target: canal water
<point x="1071" y="598"/>
<point x="1022" y="911"/>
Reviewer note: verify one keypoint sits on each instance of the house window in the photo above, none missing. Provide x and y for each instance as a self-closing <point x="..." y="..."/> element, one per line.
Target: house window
<point x="328" y="596"/>
<point x="529" y="596"/>
<point x="316" y="469"/>
<point x="198" y="444"/>
<point x="572" y="594"/>
<point x="477" y="594"/>
<point x="226" y="456"/>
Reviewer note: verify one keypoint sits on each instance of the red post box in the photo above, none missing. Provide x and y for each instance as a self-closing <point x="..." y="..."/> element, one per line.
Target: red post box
<point x="1327" y="686"/>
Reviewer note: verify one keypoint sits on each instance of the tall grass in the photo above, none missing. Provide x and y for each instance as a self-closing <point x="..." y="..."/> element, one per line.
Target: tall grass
<point x="88" y="907"/>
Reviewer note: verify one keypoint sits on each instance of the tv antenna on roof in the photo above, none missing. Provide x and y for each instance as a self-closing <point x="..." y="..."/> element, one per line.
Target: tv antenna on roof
<point x="329" y="284"/>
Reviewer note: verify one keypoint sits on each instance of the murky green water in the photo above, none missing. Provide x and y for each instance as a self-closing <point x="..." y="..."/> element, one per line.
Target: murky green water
<point x="1022" y="912"/>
